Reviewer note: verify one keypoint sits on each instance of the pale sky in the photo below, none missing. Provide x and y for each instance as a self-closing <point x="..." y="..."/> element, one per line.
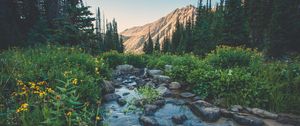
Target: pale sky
<point x="129" y="13"/>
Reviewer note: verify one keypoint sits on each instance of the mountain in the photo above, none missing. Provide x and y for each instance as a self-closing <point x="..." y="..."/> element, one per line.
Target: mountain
<point x="134" y="38"/>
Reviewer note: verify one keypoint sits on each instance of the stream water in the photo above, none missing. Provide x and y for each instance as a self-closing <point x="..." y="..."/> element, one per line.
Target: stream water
<point x="128" y="115"/>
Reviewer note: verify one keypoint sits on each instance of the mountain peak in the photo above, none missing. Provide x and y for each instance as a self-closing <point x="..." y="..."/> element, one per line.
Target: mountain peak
<point x="136" y="37"/>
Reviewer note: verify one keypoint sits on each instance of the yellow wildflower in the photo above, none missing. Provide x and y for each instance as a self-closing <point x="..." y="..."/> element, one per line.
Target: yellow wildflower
<point x="98" y="118"/>
<point x="42" y="93"/>
<point x="37" y="88"/>
<point x="31" y="83"/>
<point x="42" y="83"/>
<point x="69" y="113"/>
<point x="19" y="82"/>
<point x="75" y="81"/>
<point x="50" y="90"/>
<point x="24" y="107"/>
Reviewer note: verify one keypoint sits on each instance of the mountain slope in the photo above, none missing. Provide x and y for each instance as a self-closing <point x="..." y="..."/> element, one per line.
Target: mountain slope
<point x="135" y="37"/>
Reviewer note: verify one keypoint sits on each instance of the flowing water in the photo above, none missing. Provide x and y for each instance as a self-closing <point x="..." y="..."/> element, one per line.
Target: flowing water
<point x="128" y="115"/>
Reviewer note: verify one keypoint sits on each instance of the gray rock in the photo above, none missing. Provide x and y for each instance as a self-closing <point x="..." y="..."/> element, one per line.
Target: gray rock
<point x="111" y="97"/>
<point x="289" y="119"/>
<point x="202" y="103"/>
<point x="168" y="67"/>
<point x="197" y="98"/>
<point x="179" y="119"/>
<point x="121" y="102"/>
<point x="248" y="120"/>
<point x="150" y="84"/>
<point x="236" y="108"/>
<point x="155" y="72"/>
<point x="174" y="86"/>
<point x="210" y="114"/>
<point x="160" y="103"/>
<point x="264" y="113"/>
<point x="124" y="68"/>
<point x="148" y="121"/>
<point x="162" y="78"/>
<point x="108" y="87"/>
<point x="126" y="93"/>
<point x="225" y="113"/>
<point x="187" y="95"/>
<point x="164" y="91"/>
<point x="150" y="109"/>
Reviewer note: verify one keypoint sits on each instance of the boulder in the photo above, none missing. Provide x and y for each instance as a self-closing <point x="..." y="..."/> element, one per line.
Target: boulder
<point x="124" y="68"/>
<point x="248" y="120"/>
<point x="150" y="84"/>
<point x="154" y="72"/>
<point x="148" y="121"/>
<point x="121" y="102"/>
<point x="160" y="103"/>
<point x="108" y="87"/>
<point x="161" y="78"/>
<point x="174" y="86"/>
<point x="264" y="113"/>
<point x="150" y="109"/>
<point x="179" y="119"/>
<point x="236" y="108"/>
<point x="225" y="113"/>
<point x="187" y="95"/>
<point x="164" y="91"/>
<point x="205" y="110"/>
<point x="111" y="97"/>
<point x="197" y="98"/>
<point x="289" y="119"/>
<point x="202" y="103"/>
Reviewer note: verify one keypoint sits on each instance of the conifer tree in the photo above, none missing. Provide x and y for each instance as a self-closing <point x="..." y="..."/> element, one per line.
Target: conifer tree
<point x="157" y="44"/>
<point x="235" y="24"/>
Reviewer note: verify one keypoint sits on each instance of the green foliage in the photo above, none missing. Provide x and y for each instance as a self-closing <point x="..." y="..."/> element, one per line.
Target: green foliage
<point x="148" y="94"/>
<point x="228" y="57"/>
<point x="49" y="63"/>
<point x="113" y="58"/>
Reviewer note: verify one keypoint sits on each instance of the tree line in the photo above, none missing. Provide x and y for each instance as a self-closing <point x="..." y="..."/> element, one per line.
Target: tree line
<point x="67" y="22"/>
<point x="272" y="26"/>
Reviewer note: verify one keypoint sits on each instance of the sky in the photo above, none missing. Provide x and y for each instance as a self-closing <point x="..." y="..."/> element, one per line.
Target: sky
<point x="130" y="13"/>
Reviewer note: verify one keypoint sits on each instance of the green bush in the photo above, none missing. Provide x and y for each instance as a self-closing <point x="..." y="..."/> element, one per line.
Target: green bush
<point x="113" y="58"/>
<point x="148" y="94"/>
<point x="228" y="57"/>
<point x="49" y="64"/>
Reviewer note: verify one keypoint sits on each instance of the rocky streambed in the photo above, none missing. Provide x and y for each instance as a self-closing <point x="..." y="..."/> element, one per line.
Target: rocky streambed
<point x="177" y="106"/>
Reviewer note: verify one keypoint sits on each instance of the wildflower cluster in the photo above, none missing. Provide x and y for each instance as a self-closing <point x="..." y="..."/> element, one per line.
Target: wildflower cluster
<point x="38" y="88"/>
<point x="23" y="108"/>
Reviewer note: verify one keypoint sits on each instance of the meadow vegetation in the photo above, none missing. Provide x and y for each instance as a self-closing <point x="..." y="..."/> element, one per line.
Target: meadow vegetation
<point x="58" y="85"/>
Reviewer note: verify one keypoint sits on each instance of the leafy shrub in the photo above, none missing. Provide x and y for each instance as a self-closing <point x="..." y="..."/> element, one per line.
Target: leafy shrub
<point x="228" y="57"/>
<point x="113" y="58"/>
<point x="139" y="61"/>
<point x="49" y="64"/>
<point x="148" y="94"/>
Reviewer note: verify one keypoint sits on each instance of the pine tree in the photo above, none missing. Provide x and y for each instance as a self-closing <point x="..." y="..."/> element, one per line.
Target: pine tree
<point x="157" y="44"/>
<point x="121" y="45"/>
<point x="235" y="24"/>
<point x="166" y="47"/>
